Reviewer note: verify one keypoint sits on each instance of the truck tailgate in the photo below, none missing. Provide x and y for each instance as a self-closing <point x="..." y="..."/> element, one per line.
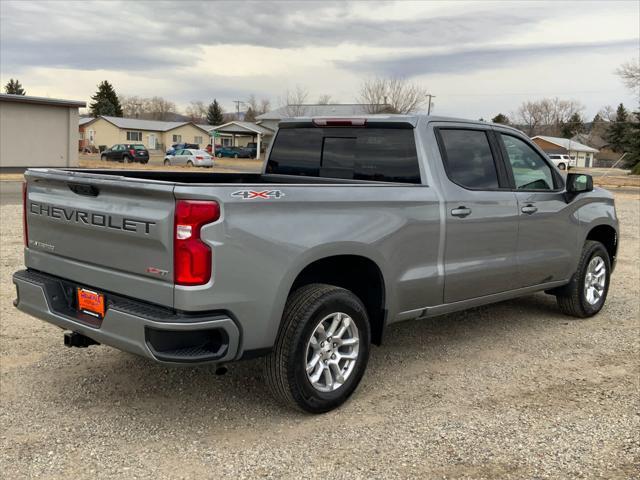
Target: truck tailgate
<point x="106" y="232"/>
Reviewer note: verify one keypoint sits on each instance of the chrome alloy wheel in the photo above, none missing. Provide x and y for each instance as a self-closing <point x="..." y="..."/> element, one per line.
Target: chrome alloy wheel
<point x="332" y="352"/>
<point x="594" y="280"/>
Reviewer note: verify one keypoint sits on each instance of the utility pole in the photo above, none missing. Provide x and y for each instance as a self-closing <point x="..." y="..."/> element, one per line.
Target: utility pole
<point x="238" y="102"/>
<point x="429" y="106"/>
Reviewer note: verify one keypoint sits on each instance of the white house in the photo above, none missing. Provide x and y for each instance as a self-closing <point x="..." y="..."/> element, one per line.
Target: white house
<point x="582" y="154"/>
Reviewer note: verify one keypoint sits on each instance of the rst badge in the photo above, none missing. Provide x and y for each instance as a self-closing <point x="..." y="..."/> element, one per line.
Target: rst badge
<point x="253" y="194"/>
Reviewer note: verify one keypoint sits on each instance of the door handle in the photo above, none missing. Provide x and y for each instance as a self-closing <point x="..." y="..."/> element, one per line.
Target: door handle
<point x="529" y="209"/>
<point x="461" y="212"/>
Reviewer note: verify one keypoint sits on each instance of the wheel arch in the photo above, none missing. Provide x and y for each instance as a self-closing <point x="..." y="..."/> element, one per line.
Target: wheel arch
<point x="355" y="272"/>
<point x="608" y="236"/>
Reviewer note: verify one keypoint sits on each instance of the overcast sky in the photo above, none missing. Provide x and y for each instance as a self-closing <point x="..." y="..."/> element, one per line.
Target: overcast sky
<point x="478" y="58"/>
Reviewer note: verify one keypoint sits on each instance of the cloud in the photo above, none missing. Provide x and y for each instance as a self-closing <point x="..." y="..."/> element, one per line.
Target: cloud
<point x="158" y="35"/>
<point x="473" y="60"/>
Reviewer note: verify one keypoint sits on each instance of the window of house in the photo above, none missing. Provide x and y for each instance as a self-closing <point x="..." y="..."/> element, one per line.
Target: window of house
<point x="468" y="158"/>
<point x="177" y="138"/>
<point x="134" y="136"/>
<point x="197" y="139"/>
<point x="530" y="171"/>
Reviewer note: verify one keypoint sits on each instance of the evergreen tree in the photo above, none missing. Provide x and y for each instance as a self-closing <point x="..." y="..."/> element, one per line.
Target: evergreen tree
<point x="633" y="144"/>
<point x="105" y="101"/>
<point x="573" y="126"/>
<point x="501" y="118"/>
<point x="214" y="114"/>
<point x="14" y="87"/>
<point x="617" y="133"/>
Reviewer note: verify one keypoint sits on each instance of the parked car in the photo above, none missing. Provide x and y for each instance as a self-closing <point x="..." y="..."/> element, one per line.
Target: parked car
<point x="233" y="152"/>
<point x="356" y="224"/>
<point x="126" y="152"/>
<point x="180" y="146"/>
<point x="252" y="148"/>
<point x="563" y="162"/>
<point x="190" y="158"/>
<point x="210" y="148"/>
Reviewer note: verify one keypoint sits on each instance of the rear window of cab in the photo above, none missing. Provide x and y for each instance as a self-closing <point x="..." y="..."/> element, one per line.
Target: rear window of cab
<point x="366" y="153"/>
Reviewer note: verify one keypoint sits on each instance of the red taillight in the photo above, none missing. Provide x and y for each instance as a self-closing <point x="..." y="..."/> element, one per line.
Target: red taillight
<point x="25" y="231"/>
<point x="132" y="151"/>
<point x="191" y="256"/>
<point x="339" y="122"/>
<point x="199" y="158"/>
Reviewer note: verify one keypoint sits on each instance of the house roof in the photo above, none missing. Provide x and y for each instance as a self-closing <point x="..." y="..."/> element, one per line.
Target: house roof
<point x="140" y="124"/>
<point x="316" y="110"/>
<point x="595" y="141"/>
<point x="85" y="120"/>
<point x="567" y="144"/>
<point x="242" y="127"/>
<point x="58" y="102"/>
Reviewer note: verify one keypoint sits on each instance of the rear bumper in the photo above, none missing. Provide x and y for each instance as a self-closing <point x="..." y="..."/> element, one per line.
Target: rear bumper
<point x="161" y="334"/>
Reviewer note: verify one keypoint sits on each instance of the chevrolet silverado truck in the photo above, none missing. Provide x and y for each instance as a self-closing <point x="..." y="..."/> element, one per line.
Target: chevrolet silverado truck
<point x="352" y="225"/>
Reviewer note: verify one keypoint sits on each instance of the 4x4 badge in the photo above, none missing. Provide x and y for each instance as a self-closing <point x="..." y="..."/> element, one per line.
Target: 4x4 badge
<point x="253" y="194"/>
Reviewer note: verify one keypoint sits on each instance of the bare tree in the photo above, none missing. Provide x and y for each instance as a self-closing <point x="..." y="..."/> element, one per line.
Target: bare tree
<point x="547" y="116"/>
<point x="607" y="113"/>
<point x="155" y="108"/>
<point x="294" y="101"/>
<point x="159" y="108"/>
<point x="265" y="105"/>
<point x="197" y="111"/>
<point x="324" y="99"/>
<point x="392" y="95"/>
<point x="132" y="106"/>
<point x="629" y="72"/>
<point x="256" y="107"/>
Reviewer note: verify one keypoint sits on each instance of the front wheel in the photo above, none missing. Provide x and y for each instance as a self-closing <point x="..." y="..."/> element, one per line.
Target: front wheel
<point x="562" y="166"/>
<point x="235" y="155"/>
<point x="103" y="158"/>
<point x="585" y="295"/>
<point x="322" y="350"/>
<point x="167" y="163"/>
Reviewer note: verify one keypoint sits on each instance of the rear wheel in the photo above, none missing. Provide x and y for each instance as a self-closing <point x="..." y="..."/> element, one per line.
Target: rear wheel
<point x="585" y="295"/>
<point x="562" y="166"/>
<point x="235" y="155"/>
<point x="189" y="164"/>
<point x="322" y="350"/>
<point x="103" y="158"/>
<point x="128" y="159"/>
<point x="167" y="162"/>
<point x="219" y="155"/>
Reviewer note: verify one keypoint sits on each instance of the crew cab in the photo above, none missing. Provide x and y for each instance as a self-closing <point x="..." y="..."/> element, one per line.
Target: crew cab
<point x="352" y="225"/>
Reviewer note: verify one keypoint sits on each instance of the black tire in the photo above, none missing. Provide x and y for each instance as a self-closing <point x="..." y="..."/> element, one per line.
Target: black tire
<point x="235" y="155"/>
<point x="285" y="366"/>
<point x="562" y="166"/>
<point x="103" y="158"/>
<point x="189" y="164"/>
<point x="167" y="163"/>
<point x="219" y="155"/>
<point x="128" y="159"/>
<point x="572" y="298"/>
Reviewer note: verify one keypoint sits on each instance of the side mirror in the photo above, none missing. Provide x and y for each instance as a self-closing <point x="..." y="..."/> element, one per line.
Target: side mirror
<point x="579" y="183"/>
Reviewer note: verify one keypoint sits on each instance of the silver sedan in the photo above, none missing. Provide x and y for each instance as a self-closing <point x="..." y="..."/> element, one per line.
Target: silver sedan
<point x="190" y="157"/>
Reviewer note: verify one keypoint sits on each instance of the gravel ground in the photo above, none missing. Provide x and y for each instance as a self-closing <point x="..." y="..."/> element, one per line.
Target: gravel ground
<point x="513" y="390"/>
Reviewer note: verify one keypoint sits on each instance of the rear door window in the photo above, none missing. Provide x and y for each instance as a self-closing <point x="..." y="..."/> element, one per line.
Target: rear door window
<point x="468" y="158"/>
<point x="378" y="154"/>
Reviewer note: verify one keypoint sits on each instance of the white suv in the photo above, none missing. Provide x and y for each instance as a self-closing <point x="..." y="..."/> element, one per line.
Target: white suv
<point x="563" y="162"/>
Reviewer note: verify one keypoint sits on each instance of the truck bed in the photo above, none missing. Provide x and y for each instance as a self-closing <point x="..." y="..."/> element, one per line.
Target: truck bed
<point x="212" y="178"/>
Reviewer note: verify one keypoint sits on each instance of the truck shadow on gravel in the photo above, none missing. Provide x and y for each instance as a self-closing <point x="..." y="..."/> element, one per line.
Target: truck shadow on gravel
<point x="99" y="378"/>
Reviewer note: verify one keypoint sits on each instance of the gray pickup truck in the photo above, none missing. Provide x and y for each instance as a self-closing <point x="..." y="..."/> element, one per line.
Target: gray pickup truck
<point x="353" y="224"/>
